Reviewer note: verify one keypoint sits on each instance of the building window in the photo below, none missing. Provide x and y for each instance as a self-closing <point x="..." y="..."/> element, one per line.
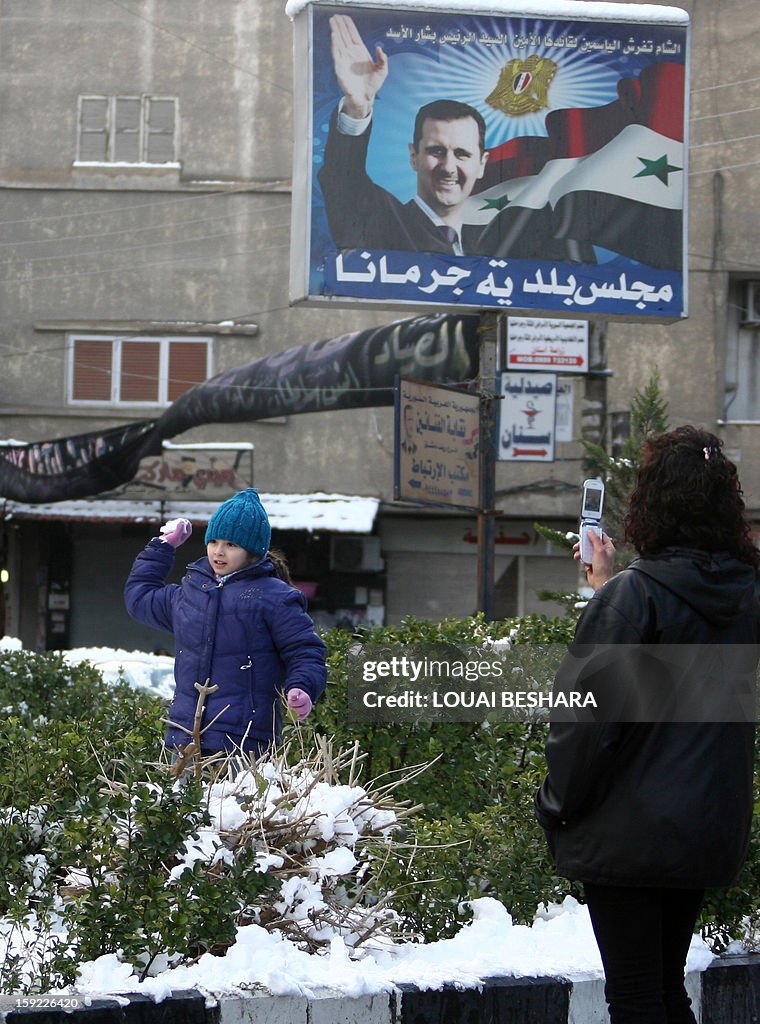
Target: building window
<point x="742" y="372"/>
<point x="620" y="431"/>
<point x="127" y="130"/>
<point x="134" y="371"/>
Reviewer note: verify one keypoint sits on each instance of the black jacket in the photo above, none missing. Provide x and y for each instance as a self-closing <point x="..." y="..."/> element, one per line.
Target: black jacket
<point x="656" y="797"/>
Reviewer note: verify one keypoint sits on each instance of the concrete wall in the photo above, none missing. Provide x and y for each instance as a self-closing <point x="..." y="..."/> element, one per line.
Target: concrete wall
<point x="727" y="991"/>
<point x="89" y="246"/>
<point x="724" y="225"/>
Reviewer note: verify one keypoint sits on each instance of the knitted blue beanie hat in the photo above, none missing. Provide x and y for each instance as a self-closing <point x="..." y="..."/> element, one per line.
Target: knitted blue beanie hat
<point x="242" y="520"/>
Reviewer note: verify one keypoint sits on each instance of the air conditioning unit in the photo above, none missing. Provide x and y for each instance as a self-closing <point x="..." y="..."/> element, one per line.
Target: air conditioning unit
<point x="751" y="303"/>
<point x="349" y="553"/>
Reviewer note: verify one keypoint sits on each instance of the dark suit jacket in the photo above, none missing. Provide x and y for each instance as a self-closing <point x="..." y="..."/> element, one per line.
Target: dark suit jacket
<point x="361" y="214"/>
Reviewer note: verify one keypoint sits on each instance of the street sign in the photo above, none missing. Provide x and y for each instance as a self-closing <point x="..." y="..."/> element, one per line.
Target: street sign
<point x="527" y="416"/>
<point x="538" y="343"/>
<point x="437" y="433"/>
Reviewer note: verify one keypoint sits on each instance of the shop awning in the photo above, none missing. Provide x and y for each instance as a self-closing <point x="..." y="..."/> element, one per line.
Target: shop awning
<point x="338" y="513"/>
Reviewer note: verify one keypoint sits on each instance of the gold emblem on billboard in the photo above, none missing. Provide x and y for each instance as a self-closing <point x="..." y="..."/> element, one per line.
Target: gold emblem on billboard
<point x="523" y="86"/>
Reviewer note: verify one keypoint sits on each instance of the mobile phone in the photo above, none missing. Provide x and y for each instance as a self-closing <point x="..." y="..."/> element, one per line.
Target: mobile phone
<point x="592" y="506"/>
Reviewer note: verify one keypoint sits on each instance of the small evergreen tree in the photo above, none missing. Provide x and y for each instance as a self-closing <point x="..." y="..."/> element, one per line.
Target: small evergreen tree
<point x="649" y="415"/>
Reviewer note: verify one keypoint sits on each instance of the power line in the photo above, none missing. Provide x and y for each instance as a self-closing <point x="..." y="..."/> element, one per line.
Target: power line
<point x="201" y="49"/>
<point x="728" y="263"/>
<point x="725" y="113"/>
<point x="136" y="230"/>
<point x="725" y="142"/>
<point x="120" y="407"/>
<point x="724" y="167"/>
<point x="127" y="248"/>
<point x="130" y="336"/>
<point x="101" y="212"/>
<point x="726" y="85"/>
<point x="19" y="281"/>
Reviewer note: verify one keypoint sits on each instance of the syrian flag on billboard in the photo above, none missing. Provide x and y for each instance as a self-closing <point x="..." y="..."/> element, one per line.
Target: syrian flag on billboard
<point x="610" y="176"/>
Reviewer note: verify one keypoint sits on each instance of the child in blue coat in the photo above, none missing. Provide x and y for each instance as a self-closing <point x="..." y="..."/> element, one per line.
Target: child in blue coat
<point x="242" y="632"/>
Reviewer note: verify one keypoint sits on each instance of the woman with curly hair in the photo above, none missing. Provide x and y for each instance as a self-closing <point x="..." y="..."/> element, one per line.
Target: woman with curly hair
<point x="650" y="803"/>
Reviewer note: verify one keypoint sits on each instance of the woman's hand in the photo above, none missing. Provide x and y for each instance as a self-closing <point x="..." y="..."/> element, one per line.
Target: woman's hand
<point x="602" y="567"/>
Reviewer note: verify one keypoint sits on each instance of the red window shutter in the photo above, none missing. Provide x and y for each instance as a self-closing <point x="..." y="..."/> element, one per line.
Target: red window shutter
<point x="92" y="371"/>
<point x="140" y="361"/>
<point x="187" y="366"/>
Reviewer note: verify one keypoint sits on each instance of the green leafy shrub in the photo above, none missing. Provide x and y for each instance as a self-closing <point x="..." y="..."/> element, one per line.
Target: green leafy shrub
<point x="496" y="851"/>
<point x="34" y="686"/>
<point x="103" y="851"/>
<point x="476" y="832"/>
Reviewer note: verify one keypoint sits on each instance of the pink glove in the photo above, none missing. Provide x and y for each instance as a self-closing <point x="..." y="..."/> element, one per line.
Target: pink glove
<point x="300" y="702"/>
<point x="176" y="532"/>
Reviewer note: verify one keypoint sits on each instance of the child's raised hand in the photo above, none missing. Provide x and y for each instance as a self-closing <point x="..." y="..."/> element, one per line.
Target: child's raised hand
<point x="176" y="532"/>
<point x="300" y="702"/>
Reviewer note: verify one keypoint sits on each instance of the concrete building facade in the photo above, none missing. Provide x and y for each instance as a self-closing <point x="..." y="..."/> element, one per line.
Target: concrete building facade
<point x="145" y="198"/>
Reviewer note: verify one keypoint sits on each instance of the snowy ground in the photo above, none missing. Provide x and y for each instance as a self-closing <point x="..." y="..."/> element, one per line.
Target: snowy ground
<point x="560" y="941"/>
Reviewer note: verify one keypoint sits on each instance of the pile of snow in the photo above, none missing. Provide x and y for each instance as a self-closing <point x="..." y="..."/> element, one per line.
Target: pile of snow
<point x="151" y="672"/>
<point x="560" y="943"/>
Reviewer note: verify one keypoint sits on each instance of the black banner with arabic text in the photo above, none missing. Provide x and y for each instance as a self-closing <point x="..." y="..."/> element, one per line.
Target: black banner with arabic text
<point x="351" y="371"/>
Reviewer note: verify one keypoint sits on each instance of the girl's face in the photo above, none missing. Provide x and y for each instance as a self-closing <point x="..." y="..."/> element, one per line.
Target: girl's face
<point x="226" y="557"/>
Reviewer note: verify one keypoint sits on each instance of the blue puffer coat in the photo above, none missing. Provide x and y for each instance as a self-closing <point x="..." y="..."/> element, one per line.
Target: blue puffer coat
<point x="251" y="635"/>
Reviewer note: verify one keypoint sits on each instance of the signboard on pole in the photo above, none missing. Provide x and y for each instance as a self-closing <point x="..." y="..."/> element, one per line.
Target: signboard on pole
<point x="437" y="433"/>
<point x="527" y="416"/>
<point x="543" y="344"/>
<point x="491" y="158"/>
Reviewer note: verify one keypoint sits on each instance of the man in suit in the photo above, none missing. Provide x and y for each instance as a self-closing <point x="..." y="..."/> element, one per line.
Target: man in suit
<point x="447" y="153"/>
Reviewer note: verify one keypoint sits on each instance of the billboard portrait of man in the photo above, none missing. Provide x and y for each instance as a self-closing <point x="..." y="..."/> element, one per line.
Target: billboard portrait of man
<point x="477" y="160"/>
<point x="447" y="154"/>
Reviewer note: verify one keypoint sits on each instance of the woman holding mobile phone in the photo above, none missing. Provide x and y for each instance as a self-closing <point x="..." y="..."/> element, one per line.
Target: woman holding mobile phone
<point x="650" y="803"/>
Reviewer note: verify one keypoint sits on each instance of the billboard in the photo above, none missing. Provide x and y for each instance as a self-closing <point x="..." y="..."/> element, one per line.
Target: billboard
<point x="479" y="159"/>
<point x="190" y="472"/>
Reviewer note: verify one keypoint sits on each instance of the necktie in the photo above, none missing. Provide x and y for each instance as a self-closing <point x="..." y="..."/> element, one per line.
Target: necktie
<point x="448" y="234"/>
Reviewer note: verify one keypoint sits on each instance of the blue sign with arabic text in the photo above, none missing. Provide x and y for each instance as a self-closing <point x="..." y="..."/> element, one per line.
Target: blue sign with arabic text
<point x="472" y="161"/>
<point x="504" y="284"/>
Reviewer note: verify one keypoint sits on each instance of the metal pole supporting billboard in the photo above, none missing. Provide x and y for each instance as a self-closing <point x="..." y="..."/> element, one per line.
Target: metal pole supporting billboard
<point x="489" y="334"/>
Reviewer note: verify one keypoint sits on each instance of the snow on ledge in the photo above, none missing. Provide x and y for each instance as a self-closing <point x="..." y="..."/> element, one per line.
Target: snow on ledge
<point x="592" y="11"/>
<point x="340" y="513"/>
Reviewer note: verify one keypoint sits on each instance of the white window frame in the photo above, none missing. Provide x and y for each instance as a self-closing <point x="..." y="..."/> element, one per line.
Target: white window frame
<point x="165" y="341"/>
<point x="741" y="391"/>
<point x="145" y="101"/>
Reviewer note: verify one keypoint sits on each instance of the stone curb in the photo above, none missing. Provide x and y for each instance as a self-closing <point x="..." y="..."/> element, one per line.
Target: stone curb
<point x="729" y="990"/>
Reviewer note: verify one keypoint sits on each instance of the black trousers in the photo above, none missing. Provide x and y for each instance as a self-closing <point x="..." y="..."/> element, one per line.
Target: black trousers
<point x="644" y="937"/>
